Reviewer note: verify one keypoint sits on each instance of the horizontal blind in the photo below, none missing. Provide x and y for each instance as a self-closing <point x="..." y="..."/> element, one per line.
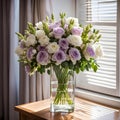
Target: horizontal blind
<point x="102" y="14"/>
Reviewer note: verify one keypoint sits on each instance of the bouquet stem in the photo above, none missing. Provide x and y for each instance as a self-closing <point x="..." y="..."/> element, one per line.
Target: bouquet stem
<point x="63" y="94"/>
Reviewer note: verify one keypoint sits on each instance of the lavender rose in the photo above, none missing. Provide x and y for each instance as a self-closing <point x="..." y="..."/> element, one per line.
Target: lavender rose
<point x="74" y="55"/>
<point x="54" y="25"/>
<point x="58" y="32"/>
<point x="42" y="58"/>
<point x="63" y="43"/>
<point x="59" y="57"/>
<point x="41" y="48"/>
<point x="89" y="52"/>
<point x="30" y="53"/>
<point x="77" y="31"/>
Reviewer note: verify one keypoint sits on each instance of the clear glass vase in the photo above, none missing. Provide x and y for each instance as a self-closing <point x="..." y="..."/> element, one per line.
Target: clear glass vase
<point x="62" y="88"/>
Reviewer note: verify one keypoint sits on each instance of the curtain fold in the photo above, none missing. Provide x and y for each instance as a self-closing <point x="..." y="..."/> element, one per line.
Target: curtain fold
<point x="4" y="59"/>
<point x="35" y="87"/>
<point x="30" y="89"/>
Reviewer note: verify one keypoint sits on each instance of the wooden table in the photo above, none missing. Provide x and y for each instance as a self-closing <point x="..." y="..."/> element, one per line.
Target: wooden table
<point x="84" y="110"/>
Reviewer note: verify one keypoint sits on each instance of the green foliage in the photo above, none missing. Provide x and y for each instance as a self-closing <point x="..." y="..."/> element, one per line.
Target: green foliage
<point x="20" y="36"/>
<point x="62" y="15"/>
<point x="41" y="69"/>
<point x="89" y="35"/>
<point x="46" y="28"/>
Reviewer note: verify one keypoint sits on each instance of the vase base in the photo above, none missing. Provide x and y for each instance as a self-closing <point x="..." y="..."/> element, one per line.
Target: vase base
<point x="61" y="108"/>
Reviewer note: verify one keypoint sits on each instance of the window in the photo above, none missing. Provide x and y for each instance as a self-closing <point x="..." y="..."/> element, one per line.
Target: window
<point x="103" y="15"/>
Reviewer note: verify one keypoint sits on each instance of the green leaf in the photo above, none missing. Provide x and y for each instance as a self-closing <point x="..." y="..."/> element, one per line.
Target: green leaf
<point x="71" y="66"/>
<point x="95" y="68"/>
<point x="48" y="71"/>
<point x="77" y="70"/>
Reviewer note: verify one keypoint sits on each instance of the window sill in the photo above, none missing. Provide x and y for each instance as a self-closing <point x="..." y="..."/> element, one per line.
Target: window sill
<point x="97" y="97"/>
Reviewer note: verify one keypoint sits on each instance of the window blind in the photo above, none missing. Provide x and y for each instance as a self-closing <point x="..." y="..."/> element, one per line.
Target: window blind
<point x="103" y="15"/>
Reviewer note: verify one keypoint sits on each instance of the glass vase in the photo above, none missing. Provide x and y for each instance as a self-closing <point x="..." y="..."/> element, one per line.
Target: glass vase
<point x="62" y="88"/>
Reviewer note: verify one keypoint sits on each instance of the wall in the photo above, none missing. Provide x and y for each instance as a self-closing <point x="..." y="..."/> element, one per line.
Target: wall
<point x="67" y="6"/>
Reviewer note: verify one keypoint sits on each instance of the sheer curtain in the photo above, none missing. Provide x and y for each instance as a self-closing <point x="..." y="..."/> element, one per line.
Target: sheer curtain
<point x="18" y="88"/>
<point x="35" y="87"/>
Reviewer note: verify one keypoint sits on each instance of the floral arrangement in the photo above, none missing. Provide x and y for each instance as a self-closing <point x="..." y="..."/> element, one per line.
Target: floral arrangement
<point x="63" y="43"/>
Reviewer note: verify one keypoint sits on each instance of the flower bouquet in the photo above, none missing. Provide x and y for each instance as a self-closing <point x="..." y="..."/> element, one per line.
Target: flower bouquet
<point x="61" y="47"/>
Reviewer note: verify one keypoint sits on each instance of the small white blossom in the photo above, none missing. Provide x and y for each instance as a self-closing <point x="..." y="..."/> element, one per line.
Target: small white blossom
<point x="39" y="25"/>
<point x="34" y="51"/>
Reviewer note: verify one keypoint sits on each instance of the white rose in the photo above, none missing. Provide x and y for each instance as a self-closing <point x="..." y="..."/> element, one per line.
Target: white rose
<point x="76" y="23"/>
<point x="30" y="40"/>
<point x="99" y="51"/>
<point x="19" y="51"/>
<point x="44" y="40"/>
<point x="40" y="34"/>
<point x="75" y="40"/>
<point x="39" y="25"/>
<point x="53" y="47"/>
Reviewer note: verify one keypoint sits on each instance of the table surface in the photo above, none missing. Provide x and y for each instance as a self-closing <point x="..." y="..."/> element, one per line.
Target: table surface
<point x="84" y="110"/>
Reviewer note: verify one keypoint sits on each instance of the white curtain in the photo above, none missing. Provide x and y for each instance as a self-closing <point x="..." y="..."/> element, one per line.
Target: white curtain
<point x="31" y="88"/>
<point x="37" y="86"/>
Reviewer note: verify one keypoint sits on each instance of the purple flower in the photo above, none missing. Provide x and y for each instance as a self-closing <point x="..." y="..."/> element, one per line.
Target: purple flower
<point x="42" y="58"/>
<point x="41" y="48"/>
<point x="77" y="31"/>
<point x="63" y="43"/>
<point x="90" y="51"/>
<point x="74" y="55"/>
<point x="59" y="57"/>
<point x="30" y="53"/>
<point x="54" y="25"/>
<point x="58" y="32"/>
<point x="27" y="69"/>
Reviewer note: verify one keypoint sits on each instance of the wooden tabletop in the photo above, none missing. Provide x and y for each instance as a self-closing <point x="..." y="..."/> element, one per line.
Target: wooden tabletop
<point x="84" y="110"/>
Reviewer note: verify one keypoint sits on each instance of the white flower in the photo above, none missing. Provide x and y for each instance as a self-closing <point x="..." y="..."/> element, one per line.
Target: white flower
<point x="30" y="40"/>
<point x="51" y="34"/>
<point x="43" y="40"/>
<point x="99" y="51"/>
<point x="40" y="34"/>
<point x="75" y="40"/>
<point x="34" y="51"/>
<point x="53" y="47"/>
<point x="76" y="23"/>
<point x="19" y="51"/>
<point x="39" y="25"/>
